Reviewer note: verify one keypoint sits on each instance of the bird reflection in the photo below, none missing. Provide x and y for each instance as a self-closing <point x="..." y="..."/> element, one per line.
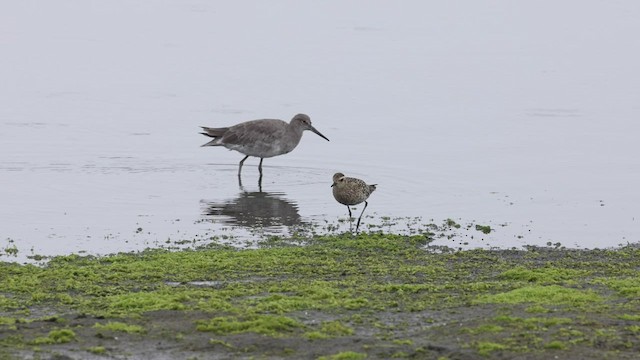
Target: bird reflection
<point x="256" y="210"/>
<point x="259" y="183"/>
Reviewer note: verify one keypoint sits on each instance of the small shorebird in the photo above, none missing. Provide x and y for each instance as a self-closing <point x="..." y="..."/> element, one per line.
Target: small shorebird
<point x="263" y="138"/>
<point x="351" y="191"/>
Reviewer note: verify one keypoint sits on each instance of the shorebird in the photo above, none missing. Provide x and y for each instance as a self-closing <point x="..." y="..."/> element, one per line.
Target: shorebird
<point x="351" y="191"/>
<point x="263" y="138"/>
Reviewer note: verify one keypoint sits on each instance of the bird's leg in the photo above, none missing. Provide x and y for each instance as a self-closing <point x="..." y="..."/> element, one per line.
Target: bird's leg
<point x="240" y="183"/>
<point x="241" y="163"/>
<point x="360" y="218"/>
<point x="260" y="183"/>
<point x="350" y="220"/>
<point x="260" y="168"/>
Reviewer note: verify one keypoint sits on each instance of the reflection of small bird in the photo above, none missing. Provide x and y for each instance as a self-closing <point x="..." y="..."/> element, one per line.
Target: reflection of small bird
<point x="261" y="138"/>
<point x="351" y="191"/>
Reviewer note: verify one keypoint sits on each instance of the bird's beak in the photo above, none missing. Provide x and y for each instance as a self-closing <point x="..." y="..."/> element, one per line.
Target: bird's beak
<point x="334" y="184"/>
<point x="318" y="132"/>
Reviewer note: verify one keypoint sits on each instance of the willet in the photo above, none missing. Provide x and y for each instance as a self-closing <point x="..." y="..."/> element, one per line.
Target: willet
<point x="351" y="191"/>
<point x="263" y="138"/>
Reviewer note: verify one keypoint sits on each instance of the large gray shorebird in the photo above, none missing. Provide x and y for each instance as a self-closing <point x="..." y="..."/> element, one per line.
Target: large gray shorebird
<point x="351" y="191"/>
<point x="263" y="138"/>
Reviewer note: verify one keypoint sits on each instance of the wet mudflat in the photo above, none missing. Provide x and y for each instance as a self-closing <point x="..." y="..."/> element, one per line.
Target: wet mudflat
<point x="368" y="296"/>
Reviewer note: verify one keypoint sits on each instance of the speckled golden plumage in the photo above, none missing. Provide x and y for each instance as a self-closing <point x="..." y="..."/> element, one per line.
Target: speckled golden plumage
<point x="351" y="191"/>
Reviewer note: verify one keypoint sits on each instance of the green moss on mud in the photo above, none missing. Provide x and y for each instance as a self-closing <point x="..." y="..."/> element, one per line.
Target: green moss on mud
<point x="98" y="350"/>
<point x="8" y="321"/>
<point x="330" y="329"/>
<point x="546" y="275"/>
<point x="485" y="229"/>
<point x="373" y="288"/>
<point x="271" y="325"/>
<point x="552" y="294"/>
<point x="345" y="355"/>
<point x="487" y="347"/>
<point x="119" y="326"/>
<point x="60" y="336"/>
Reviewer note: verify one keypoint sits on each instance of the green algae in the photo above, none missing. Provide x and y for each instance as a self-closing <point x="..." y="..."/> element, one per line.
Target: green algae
<point x="120" y="327"/>
<point x="548" y="275"/>
<point x="556" y="344"/>
<point x="635" y="329"/>
<point x="511" y="301"/>
<point x="8" y="322"/>
<point x="221" y="342"/>
<point x="635" y="317"/>
<point x="485" y="328"/>
<point x="59" y="336"/>
<point x="7" y="303"/>
<point x="98" y="350"/>
<point x="271" y="325"/>
<point x="330" y="329"/>
<point x="552" y="294"/>
<point x="628" y="286"/>
<point x="452" y="223"/>
<point x="487" y="347"/>
<point x="485" y="229"/>
<point x="345" y="355"/>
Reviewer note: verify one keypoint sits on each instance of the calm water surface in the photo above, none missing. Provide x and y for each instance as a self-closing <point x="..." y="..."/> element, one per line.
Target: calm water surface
<point x="521" y="116"/>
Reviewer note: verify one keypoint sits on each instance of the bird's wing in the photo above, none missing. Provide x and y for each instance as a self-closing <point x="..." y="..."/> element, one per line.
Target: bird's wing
<point x="254" y="131"/>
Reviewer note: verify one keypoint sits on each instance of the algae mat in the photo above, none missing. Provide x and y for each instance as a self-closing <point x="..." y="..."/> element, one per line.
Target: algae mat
<point x="371" y="296"/>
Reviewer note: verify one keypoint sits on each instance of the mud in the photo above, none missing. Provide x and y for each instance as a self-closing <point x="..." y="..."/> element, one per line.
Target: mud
<point x="377" y="296"/>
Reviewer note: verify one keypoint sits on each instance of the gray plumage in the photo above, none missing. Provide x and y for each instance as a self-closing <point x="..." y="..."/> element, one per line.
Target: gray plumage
<point x="351" y="191"/>
<point x="263" y="138"/>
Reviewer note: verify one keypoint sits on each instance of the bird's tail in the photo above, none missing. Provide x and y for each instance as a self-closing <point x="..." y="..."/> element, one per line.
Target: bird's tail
<point x="372" y="188"/>
<point x="215" y="133"/>
<point x="213" y="142"/>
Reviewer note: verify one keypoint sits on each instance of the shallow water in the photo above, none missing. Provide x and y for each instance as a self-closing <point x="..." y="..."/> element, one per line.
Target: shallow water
<point x="469" y="111"/>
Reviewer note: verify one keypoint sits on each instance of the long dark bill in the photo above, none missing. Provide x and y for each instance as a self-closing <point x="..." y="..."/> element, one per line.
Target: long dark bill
<point x="319" y="133"/>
